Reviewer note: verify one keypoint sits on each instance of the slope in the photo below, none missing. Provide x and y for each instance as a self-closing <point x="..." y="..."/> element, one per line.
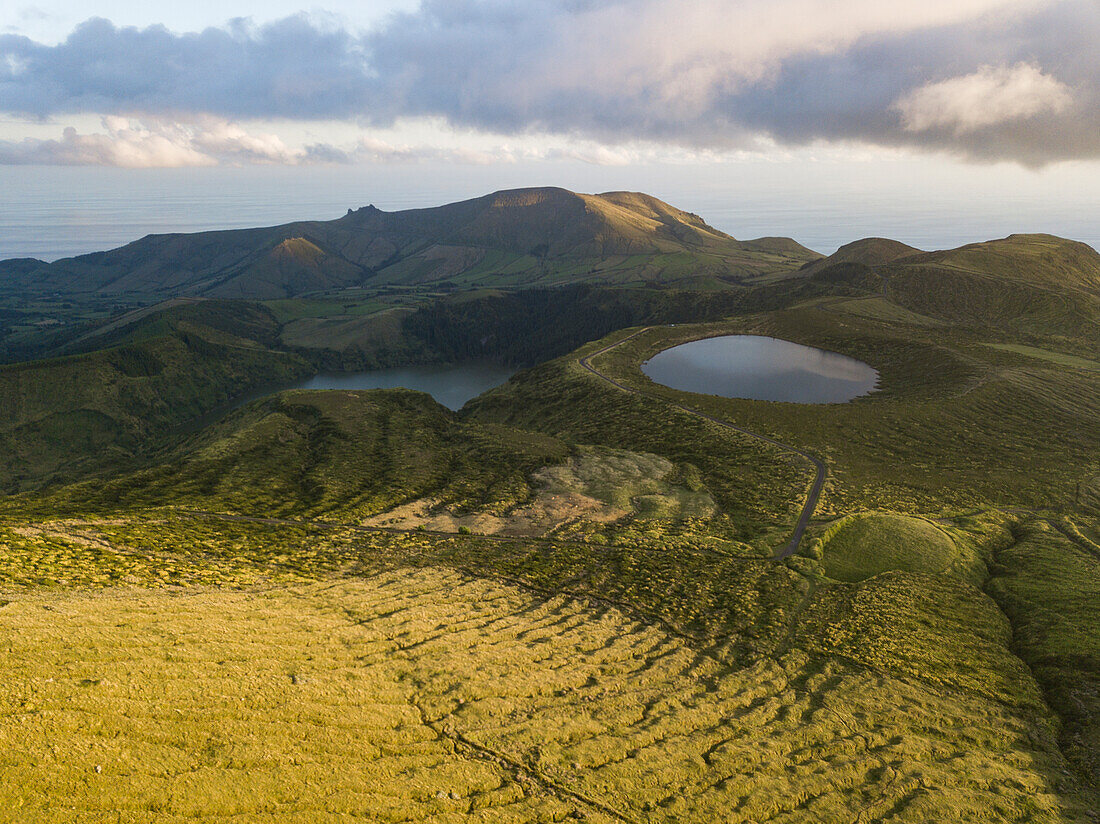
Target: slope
<point x="869" y="251"/>
<point x="71" y="415"/>
<point x="1035" y="285"/>
<point x="541" y="235"/>
<point x="321" y="452"/>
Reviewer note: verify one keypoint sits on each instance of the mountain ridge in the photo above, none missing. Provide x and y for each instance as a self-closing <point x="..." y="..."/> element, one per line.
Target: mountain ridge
<point x="1031" y="283"/>
<point x="536" y="236"/>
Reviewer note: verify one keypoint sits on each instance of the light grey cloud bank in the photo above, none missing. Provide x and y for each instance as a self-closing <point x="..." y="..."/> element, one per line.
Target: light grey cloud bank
<point x="987" y="79"/>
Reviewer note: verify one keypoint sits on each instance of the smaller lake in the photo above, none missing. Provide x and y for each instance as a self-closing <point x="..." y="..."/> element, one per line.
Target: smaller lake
<point x="452" y="385"/>
<point x="761" y="368"/>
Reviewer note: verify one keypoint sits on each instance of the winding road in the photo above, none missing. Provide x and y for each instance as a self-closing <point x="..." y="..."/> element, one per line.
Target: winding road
<point x="819" y="466"/>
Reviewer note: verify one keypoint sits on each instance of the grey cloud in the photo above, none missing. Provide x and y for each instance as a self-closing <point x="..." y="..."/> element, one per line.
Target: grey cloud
<point x="291" y="68"/>
<point x="853" y="96"/>
<point x="590" y="69"/>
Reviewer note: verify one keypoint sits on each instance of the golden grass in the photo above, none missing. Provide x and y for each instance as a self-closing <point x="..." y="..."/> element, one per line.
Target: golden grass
<point x="428" y="695"/>
<point x="876" y="542"/>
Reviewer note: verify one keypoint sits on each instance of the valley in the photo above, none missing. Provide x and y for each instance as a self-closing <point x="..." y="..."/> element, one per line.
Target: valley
<point x="582" y="596"/>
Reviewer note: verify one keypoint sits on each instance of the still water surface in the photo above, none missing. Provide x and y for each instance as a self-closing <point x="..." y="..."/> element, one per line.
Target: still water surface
<point x="761" y="368"/>
<point x="452" y="385"/>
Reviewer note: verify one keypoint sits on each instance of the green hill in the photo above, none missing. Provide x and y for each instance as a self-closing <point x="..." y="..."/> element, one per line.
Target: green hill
<point x="870" y="251"/>
<point x="317" y="452"/>
<point x="1034" y="285"/>
<point x="1037" y="260"/>
<point x="67" y="416"/>
<point x="1030" y="284"/>
<point x="524" y="236"/>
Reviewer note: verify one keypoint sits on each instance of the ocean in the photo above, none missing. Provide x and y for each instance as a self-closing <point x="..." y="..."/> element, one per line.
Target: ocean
<point x="54" y="212"/>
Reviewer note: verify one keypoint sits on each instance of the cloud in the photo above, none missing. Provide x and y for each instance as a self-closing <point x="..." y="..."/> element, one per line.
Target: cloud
<point x="985" y="79"/>
<point x="991" y="96"/>
<point x="623" y="69"/>
<point x="860" y="94"/>
<point x="292" y="68"/>
<point x="151" y="142"/>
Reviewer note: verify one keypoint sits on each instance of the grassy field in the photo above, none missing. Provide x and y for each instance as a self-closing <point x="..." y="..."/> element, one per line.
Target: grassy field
<point x="446" y="698"/>
<point x="878" y="308"/>
<point x="315" y="702"/>
<point x="291" y="309"/>
<point x="380" y="331"/>
<point x="565" y="602"/>
<point x="867" y="545"/>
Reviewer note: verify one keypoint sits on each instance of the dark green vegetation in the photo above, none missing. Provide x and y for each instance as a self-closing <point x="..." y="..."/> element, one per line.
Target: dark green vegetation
<point x="71" y="415"/>
<point x="563" y="601"/>
<point x="1047" y="580"/>
<point x="325" y="453"/>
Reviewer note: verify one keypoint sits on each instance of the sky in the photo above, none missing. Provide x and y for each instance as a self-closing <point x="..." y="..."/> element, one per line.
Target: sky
<point x="937" y="87"/>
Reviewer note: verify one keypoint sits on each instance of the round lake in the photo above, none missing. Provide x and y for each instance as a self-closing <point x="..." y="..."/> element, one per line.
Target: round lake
<point x="452" y="385"/>
<point x="761" y="368"/>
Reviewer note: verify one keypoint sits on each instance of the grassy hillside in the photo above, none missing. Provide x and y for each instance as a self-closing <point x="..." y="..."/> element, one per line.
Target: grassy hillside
<point x="1041" y="260"/>
<point x="1047" y="579"/>
<point x="874" y="543"/>
<point x="446" y="698"/>
<point x="81" y="413"/>
<point x="352" y="454"/>
<point x="444" y="692"/>
<point x="524" y="236"/>
<point x="871" y="251"/>
<point x="1020" y="285"/>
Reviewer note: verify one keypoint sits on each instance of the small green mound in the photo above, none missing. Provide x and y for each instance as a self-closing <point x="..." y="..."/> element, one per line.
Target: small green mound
<point x="876" y="543"/>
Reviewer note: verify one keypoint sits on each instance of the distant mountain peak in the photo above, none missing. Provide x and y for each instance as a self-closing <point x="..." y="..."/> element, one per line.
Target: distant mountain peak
<point x="541" y="235"/>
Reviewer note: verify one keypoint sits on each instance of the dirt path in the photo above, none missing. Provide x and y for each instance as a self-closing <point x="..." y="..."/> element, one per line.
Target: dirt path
<point x="819" y="466"/>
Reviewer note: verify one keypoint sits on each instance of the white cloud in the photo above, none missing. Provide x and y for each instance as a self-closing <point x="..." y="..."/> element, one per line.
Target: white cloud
<point x="121" y="145"/>
<point x="149" y="142"/>
<point x="989" y="97"/>
<point x="229" y="141"/>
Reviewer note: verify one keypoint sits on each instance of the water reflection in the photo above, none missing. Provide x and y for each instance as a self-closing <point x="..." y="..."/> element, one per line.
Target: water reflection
<point x="452" y="385"/>
<point x="761" y="368"/>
